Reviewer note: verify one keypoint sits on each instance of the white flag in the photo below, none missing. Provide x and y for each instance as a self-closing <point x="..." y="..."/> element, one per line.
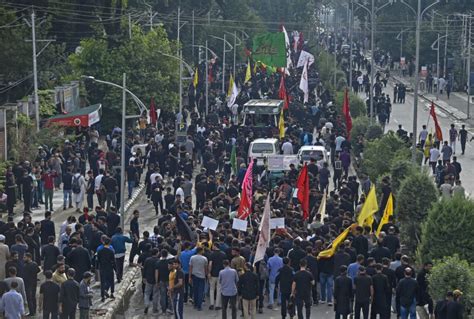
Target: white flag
<point x="232" y="93"/>
<point x="264" y="235"/>
<point x="305" y="57"/>
<point x="304" y="83"/>
<point x="288" y="49"/>
<point x="322" y="208"/>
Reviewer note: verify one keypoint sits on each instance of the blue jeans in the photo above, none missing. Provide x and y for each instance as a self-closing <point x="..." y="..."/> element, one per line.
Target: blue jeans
<point x="131" y="185"/>
<point x="326" y="282"/>
<point x="271" y="296"/>
<point x="163" y="286"/>
<point x="198" y="287"/>
<point x="404" y="312"/>
<point x="67" y="195"/>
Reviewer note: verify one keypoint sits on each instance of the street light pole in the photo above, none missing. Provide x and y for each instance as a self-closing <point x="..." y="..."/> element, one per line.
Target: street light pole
<point x="223" y="66"/>
<point x="372" y="62"/>
<point x="469" y="69"/>
<point x="122" y="153"/>
<point x="207" y="81"/>
<point x="35" y="73"/>
<point x="351" y="13"/>
<point x="417" y="79"/>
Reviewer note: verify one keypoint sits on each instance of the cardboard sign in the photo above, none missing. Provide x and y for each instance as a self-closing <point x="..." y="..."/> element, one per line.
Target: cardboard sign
<point x="210" y="223"/>
<point x="239" y="224"/>
<point x="277" y="223"/>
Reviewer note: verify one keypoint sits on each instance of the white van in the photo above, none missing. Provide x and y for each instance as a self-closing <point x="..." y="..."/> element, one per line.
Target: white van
<point x="263" y="147"/>
<point x="319" y="153"/>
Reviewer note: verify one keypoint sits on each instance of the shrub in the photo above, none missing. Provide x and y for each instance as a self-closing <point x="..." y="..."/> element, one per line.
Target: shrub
<point x="357" y="105"/>
<point x="449" y="274"/>
<point x="417" y="194"/>
<point x="374" y="131"/>
<point x="399" y="171"/>
<point x="448" y="230"/>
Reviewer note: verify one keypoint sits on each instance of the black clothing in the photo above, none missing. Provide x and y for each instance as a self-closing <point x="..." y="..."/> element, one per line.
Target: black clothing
<point x="362" y="284"/>
<point x="217" y="257"/>
<point x="454" y="310"/>
<point x="50" y="291"/>
<point x="110" y="184"/>
<point x="382" y="289"/>
<point x="342" y="295"/>
<point x="163" y="271"/>
<point x="248" y="285"/>
<point x="361" y="245"/>
<point x="392" y="243"/>
<point x="407" y="291"/>
<point x="47" y="229"/>
<point x="49" y="255"/>
<point x="285" y="278"/>
<point x="113" y="221"/>
<point x="79" y="259"/>
<point x="106" y="260"/>
<point x="149" y="269"/>
<point x="69" y="295"/>
<point x="303" y="280"/>
<point x="341" y="258"/>
<point x="380" y="252"/>
<point x="30" y="274"/>
<point x="440" y="309"/>
<point x="295" y="255"/>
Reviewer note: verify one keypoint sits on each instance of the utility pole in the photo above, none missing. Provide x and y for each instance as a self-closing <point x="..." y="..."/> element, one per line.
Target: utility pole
<point x="417" y="79"/>
<point x="372" y="64"/>
<point x="192" y="41"/>
<point x="437" y="68"/>
<point x="446" y="49"/>
<point x="129" y="26"/>
<point x="469" y="68"/>
<point x="335" y="51"/>
<point x="351" y="13"/>
<point x="235" y="49"/>
<point x="35" y="72"/>
<point x="223" y="66"/>
<point x="207" y="81"/>
<point x="122" y="153"/>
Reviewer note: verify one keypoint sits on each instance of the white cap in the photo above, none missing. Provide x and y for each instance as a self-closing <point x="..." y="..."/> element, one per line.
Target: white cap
<point x="2" y="238"/>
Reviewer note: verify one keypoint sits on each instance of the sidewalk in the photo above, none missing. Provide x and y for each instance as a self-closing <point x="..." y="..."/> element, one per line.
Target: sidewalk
<point x="455" y="106"/>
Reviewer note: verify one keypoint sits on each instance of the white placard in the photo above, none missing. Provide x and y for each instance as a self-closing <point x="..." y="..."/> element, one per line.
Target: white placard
<point x="239" y="224"/>
<point x="210" y="223"/>
<point x="277" y="223"/>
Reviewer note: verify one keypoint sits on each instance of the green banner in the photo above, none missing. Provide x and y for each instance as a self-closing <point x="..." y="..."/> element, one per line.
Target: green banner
<point x="269" y="48"/>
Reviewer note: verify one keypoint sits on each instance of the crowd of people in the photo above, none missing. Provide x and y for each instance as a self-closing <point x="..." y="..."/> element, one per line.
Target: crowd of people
<point x="187" y="180"/>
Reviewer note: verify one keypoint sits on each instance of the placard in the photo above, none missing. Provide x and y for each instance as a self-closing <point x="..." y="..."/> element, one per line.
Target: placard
<point x="277" y="223"/>
<point x="239" y="224"/>
<point x="210" y="223"/>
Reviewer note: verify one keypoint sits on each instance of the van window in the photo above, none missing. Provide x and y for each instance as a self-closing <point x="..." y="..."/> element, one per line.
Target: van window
<point x="264" y="148"/>
<point x="309" y="154"/>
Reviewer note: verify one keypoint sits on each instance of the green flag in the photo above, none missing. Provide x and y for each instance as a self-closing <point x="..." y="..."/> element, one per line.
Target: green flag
<point x="270" y="49"/>
<point x="233" y="159"/>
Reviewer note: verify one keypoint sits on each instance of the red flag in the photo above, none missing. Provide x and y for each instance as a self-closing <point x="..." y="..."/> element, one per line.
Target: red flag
<point x="439" y="133"/>
<point x="300" y="41"/>
<point x="282" y="93"/>
<point x="303" y="191"/>
<point x="153" y="115"/>
<point x="247" y="52"/>
<point x="346" y="110"/>
<point x="245" y="206"/>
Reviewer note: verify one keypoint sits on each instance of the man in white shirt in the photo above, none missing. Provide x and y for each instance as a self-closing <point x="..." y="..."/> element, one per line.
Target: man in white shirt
<point x="97" y="183"/>
<point x="423" y="136"/>
<point x="434" y="156"/>
<point x="339" y="141"/>
<point x="287" y="148"/>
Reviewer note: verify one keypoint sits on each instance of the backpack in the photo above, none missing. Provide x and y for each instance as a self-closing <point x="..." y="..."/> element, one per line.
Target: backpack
<point x="76" y="187"/>
<point x="263" y="270"/>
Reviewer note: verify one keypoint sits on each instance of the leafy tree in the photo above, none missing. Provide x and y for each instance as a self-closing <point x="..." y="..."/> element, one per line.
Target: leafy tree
<point x="417" y="194"/>
<point x="149" y="72"/>
<point x="399" y="171"/>
<point x="374" y="131"/>
<point x="448" y="230"/>
<point x="452" y="273"/>
<point x="357" y="105"/>
<point x="380" y="154"/>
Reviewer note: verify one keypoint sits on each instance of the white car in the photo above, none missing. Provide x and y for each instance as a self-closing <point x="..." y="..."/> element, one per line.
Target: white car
<point x="263" y="147"/>
<point x="319" y="153"/>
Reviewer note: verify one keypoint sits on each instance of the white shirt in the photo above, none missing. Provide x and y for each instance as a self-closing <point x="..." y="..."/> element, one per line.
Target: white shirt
<point x="98" y="181"/>
<point x="287" y="148"/>
<point x="360" y="79"/>
<point x="434" y="154"/>
<point x="153" y="177"/>
<point x="339" y="141"/>
<point x="201" y="129"/>
<point x="158" y="138"/>
<point x="423" y="135"/>
<point x="180" y="192"/>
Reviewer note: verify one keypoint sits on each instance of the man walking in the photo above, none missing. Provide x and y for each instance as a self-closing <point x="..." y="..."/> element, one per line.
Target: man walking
<point x="274" y="265"/>
<point x="285" y="281"/>
<point x="11" y="303"/>
<point x="453" y="136"/>
<point x="216" y="264"/>
<point x="67" y="189"/>
<point x="151" y="288"/>
<point x="162" y="274"/>
<point x="118" y="242"/>
<point x="228" y="279"/>
<point x="69" y="296"/>
<point x="301" y="289"/>
<point x="106" y="261"/>
<point x="4" y="256"/>
<point x="381" y="286"/>
<point x="342" y="294"/>
<point x="48" y="186"/>
<point x="198" y="269"/>
<point x="248" y="287"/>
<point x="30" y="278"/>
<point x="176" y="279"/>
<point x="407" y="291"/>
<point x="364" y="293"/>
<point x="463" y="138"/>
<point x="49" y="297"/>
<point x="85" y="296"/>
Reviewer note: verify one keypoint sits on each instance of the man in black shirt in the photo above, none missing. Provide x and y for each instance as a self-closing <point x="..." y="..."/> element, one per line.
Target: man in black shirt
<point x="312" y="263"/>
<point x="301" y="288"/>
<point x="79" y="259"/>
<point x="248" y="287"/>
<point x="342" y="294"/>
<point x="285" y="280"/>
<point x="49" y="254"/>
<point x="69" y="296"/>
<point x="113" y="221"/>
<point x="454" y="308"/>
<point x="106" y="261"/>
<point x="132" y="174"/>
<point x="111" y="189"/>
<point x="177" y="293"/>
<point x="360" y="243"/>
<point x="151" y="289"/>
<point x="49" y="296"/>
<point x="407" y="292"/>
<point x="364" y="292"/>
<point x="162" y="275"/>
<point x="440" y="310"/>
<point x="47" y="228"/>
<point x="380" y="304"/>
<point x="216" y="260"/>
<point x="30" y="279"/>
<point x="463" y="138"/>
<point x="135" y="236"/>
<point x="67" y="189"/>
<point x="296" y="254"/>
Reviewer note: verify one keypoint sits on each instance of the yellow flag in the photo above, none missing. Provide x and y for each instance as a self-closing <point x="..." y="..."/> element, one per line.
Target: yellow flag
<point x="369" y="208"/>
<point x="386" y="214"/>
<point x="196" y="78"/>
<point x="328" y="253"/>
<point x="255" y="68"/>
<point x="281" y="125"/>
<point x="248" y="73"/>
<point x="231" y="85"/>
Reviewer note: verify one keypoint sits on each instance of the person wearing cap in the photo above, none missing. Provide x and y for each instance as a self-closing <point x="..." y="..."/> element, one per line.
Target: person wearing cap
<point x="454" y="308"/>
<point x="407" y="292"/>
<point x="4" y="256"/>
<point x="85" y="295"/>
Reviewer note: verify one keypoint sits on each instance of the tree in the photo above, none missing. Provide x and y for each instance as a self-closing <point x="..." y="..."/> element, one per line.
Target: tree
<point x="149" y="72"/>
<point x="448" y="230"/>
<point x="357" y="105"/>
<point x="452" y="273"/>
<point x="399" y="171"/>
<point x="381" y="153"/>
<point x="417" y="194"/>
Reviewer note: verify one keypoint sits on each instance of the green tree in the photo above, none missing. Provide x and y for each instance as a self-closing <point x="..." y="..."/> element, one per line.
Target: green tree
<point x="380" y="154"/>
<point x="417" y="194"/>
<point x="452" y="273"/>
<point x="448" y="230"/>
<point x="149" y="72"/>
<point x="357" y="105"/>
<point x="399" y="171"/>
